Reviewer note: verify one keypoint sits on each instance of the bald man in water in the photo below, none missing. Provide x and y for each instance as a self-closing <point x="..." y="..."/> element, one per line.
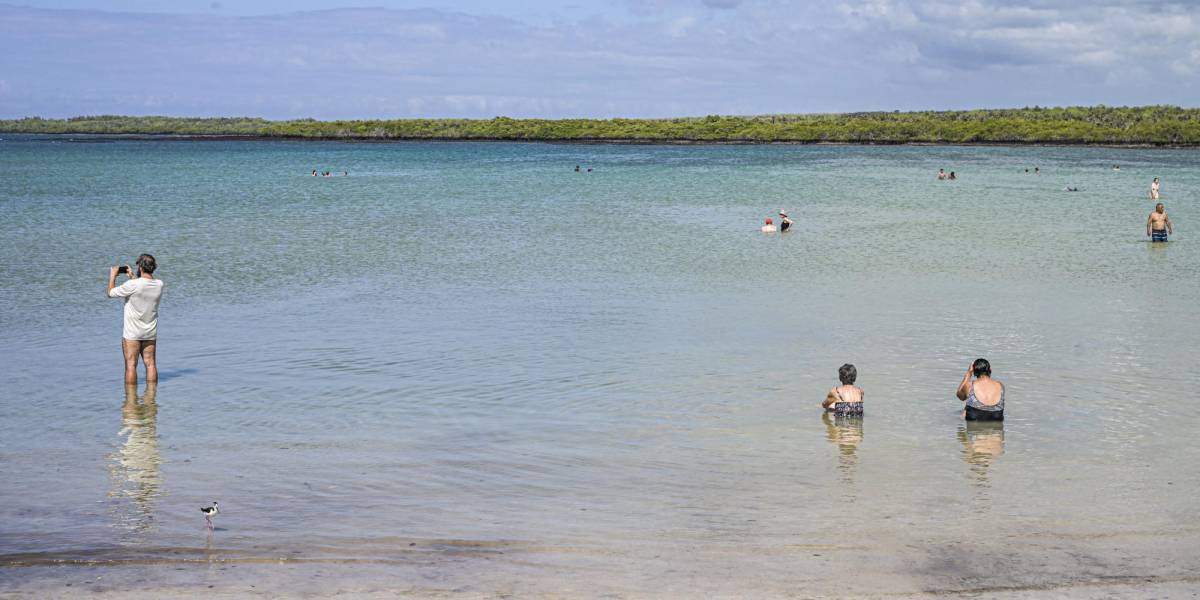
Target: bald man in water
<point x="1158" y="224"/>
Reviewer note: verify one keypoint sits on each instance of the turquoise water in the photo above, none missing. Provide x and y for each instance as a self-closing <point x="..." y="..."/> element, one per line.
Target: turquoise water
<point x="468" y="364"/>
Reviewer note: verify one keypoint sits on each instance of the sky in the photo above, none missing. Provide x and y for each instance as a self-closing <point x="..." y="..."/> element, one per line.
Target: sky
<point x="327" y="59"/>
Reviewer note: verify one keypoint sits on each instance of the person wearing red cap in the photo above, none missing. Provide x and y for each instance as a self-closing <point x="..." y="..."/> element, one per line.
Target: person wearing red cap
<point x="769" y="227"/>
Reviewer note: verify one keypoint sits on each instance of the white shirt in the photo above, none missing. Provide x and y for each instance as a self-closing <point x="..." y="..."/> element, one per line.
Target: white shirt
<point x="141" y="307"/>
<point x="769" y="229"/>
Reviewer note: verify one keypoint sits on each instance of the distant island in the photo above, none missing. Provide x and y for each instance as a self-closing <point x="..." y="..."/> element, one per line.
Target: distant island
<point x="1098" y="125"/>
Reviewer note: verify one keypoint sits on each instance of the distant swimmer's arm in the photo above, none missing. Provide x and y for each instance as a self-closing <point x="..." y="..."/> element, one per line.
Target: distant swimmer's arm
<point x="965" y="386"/>
<point x="830" y="399"/>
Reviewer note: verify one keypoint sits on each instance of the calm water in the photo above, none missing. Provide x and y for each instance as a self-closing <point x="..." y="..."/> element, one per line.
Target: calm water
<point x="466" y="367"/>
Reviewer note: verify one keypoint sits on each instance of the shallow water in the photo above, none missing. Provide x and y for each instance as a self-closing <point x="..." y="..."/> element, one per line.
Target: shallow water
<point x="467" y="362"/>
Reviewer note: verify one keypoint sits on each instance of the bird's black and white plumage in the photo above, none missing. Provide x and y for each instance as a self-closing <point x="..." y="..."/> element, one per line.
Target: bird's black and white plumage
<point x="210" y="512"/>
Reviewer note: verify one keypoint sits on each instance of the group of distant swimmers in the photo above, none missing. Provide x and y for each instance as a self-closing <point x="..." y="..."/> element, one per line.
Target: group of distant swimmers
<point x="983" y="397"/>
<point x="785" y="223"/>
<point x="1158" y="225"/>
<point x="328" y="174"/>
<point x="577" y="170"/>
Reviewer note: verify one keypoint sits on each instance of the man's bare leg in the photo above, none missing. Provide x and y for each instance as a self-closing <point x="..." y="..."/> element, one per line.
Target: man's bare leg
<point x="148" y="359"/>
<point x="131" y="348"/>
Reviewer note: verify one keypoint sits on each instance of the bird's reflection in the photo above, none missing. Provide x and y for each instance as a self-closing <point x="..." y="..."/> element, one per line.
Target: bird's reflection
<point x="134" y="466"/>
<point x="846" y="433"/>
<point x="983" y="443"/>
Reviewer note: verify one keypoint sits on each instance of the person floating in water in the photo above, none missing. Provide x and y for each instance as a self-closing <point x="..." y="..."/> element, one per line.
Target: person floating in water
<point x="1037" y="171"/>
<point x="1116" y="167"/>
<point x="769" y="227"/>
<point x="952" y="176"/>
<point x="847" y="399"/>
<point x="1158" y="225"/>
<point x="1071" y="189"/>
<point x="314" y="172"/>
<point x="941" y="174"/>
<point x="784" y="222"/>
<point x="1154" y="189"/>
<point x="576" y="168"/>
<point x="983" y="395"/>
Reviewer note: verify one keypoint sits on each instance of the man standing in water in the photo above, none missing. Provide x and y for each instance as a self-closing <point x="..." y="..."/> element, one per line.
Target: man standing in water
<point x="1154" y="189"/>
<point x="141" y="295"/>
<point x="1158" y="225"/>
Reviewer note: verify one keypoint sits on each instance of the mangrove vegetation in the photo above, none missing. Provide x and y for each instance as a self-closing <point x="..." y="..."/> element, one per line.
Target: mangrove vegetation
<point x="1153" y="125"/>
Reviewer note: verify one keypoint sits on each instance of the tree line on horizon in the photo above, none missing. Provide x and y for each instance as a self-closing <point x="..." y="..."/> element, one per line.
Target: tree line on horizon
<point x="1155" y="125"/>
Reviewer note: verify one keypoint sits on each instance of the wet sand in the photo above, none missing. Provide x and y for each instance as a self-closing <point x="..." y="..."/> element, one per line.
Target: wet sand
<point x="1129" y="565"/>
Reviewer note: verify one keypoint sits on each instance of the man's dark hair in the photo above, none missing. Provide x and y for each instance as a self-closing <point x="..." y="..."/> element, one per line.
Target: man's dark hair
<point x="146" y="264"/>
<point x="982" y="367"/>
<point x="847" y="374"/>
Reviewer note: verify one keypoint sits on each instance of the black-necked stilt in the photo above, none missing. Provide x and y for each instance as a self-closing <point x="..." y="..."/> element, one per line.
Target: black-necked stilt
<point x="209" y="513"/>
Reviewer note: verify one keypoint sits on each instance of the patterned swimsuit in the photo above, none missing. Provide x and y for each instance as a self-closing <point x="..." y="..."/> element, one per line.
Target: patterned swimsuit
<point x="841" y="408"/>
<point x="977" y="411"/>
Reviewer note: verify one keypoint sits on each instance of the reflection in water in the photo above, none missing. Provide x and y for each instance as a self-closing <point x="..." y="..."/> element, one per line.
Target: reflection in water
<point x="846" y="433"/>
<point x="134" y="467"/>
<point x="983" y="443"/>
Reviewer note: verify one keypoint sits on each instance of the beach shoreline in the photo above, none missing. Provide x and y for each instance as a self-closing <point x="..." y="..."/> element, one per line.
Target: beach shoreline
<point x="352" y="583"/>
<point x="1119" y="565"/>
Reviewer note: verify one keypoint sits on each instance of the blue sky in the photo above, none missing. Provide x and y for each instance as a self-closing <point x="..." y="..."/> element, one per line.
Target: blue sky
<point x="649" y="58"/>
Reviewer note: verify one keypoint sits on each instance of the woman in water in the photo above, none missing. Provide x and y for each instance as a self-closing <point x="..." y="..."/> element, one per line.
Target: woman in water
<point x="983" y="395"/>
<point x="846" y="399"/>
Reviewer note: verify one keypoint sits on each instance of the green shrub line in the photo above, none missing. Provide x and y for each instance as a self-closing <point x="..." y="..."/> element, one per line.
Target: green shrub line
<point x="1101" y="125"/>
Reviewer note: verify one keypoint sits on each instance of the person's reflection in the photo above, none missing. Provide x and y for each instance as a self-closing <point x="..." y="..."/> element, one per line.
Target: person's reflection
<point x="846" y="433"/>
<point x="983" y="443"/>
<point x="135" y="465"/>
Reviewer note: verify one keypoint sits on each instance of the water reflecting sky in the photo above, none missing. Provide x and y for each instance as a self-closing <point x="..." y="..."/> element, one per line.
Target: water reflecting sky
<point x="471" y="351"/>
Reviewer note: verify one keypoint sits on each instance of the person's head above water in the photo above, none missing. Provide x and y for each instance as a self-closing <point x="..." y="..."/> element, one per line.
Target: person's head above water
<point x="982" y="368"/>
<point x="847" y="374"/>
<point x="1159" y="207"/>
<point x="769" y="221"/>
